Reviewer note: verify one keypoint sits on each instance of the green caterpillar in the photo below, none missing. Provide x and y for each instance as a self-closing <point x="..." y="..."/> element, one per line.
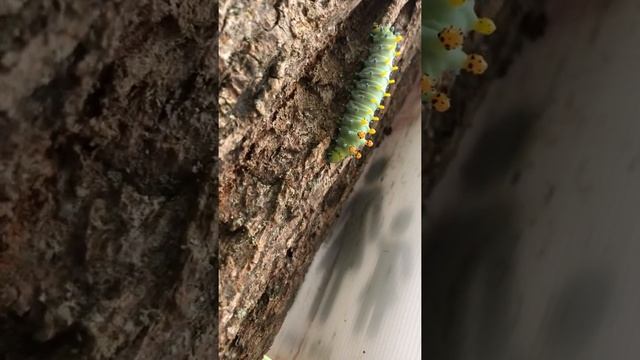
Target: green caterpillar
<point x="445" y="23"/>
<point x="366" y="98"/>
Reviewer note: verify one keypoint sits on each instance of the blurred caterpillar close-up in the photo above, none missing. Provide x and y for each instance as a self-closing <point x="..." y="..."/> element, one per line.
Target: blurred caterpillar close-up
<point x="445" y="24"/>
<point x="366" y="98"/>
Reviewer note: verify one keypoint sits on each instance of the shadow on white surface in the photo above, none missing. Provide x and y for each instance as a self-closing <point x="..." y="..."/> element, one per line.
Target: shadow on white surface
<point x="361" y="296"/>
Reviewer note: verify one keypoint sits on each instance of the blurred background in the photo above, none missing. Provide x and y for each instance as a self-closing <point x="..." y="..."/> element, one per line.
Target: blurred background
<point x="531" y="238"/>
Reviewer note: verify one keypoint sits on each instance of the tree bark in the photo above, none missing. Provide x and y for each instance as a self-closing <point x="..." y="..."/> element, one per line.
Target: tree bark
<point x="108" y="129"/>
<point x="285" y="73"/>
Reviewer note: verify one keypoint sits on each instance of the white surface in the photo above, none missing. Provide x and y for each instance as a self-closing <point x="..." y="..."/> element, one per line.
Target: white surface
<point x="555" y="275"/>
<point x="361" y="296"/>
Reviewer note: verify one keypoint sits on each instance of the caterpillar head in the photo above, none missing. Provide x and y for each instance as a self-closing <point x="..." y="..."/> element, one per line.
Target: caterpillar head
<point x="440" y="102"/>
<point x="336" y="156"/>
<point x="475" y="64"/>
<point x="451" y="37"/>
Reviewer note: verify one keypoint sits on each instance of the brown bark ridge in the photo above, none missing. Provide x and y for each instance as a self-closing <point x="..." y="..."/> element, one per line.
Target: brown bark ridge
<point x="108" y="129"/>
<point x="285" y="72"/>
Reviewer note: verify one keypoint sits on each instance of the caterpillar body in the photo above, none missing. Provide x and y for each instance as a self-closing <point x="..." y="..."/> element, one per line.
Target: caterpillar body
<point x="366" y="98"/>
<point x="445" y="24"/>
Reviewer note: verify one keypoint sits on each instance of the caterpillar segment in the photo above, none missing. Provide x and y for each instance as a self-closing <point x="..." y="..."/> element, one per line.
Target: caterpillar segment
<point x="445" y="26"/>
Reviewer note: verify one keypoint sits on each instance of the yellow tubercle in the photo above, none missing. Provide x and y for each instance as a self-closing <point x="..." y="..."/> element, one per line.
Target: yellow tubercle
<point x="475" y="64"/>
<point x="363" y="122"/>
<point x="353" y="150"/>
<point x="441" y="102"/>
<point x="451" y="37"/>
<point x="399" y="38"/>
<point x="369" y="143"/>
<point x="358" y="155"/>
<point x="392" y="81"/>
<point x="484" y="26"/>
<point x="373" y="101"/>
<point x="397" y="53"/>
<point x="381" y="107"/>
<point x="426" y="84"/>
<point x="362" y="134"/>
<point x="395" y="68"/>
<point x="372" y="131"/>
<point x="375" y="118"/>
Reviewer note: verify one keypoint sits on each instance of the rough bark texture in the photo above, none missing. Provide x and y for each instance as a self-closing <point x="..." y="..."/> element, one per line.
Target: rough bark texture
<point x="285" y="72"/>
<point x="108" y="128"/>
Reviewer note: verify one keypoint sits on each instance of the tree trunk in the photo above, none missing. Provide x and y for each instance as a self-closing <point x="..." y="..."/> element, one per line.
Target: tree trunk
<point x="286" y="68"/>
<point x="108" y="128"/>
